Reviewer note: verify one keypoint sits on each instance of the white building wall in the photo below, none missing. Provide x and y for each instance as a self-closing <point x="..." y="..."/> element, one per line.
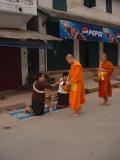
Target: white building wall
<point x="14" y="21"/>
<point x="74" y="3"/>
<point x="12" y="17"/>
<point x="24" y="65"/>
<point x="42" y="52"/>
<point x="21" y="6"/>
<point x="116" y="7"/>
<point x="76" y="49"/>
<point x="45" y="3"/>
<point x="101" y="5"/>
<point x="98" y="13"/>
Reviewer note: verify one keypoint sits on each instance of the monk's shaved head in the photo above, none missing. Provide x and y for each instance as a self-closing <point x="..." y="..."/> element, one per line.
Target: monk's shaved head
<point x="103" y="57"/>
<point x="70" y="58"/>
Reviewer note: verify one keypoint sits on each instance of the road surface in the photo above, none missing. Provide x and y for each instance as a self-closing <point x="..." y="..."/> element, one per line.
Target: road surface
<point x="95" y="135"/>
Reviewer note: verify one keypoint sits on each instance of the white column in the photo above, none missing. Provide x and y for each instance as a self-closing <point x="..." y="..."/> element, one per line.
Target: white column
<point x="118" y="54"/>
<point x="100" y="49"/>
<point x="42" y="58"/>
<point x="24" y="65"/>
<point x="76" y="49"/>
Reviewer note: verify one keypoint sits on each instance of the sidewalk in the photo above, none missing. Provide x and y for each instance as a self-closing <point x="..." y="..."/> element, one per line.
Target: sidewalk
<point x="91" y="86"/>
<point x="20" y="98"/>
<point x="13" y="101"/>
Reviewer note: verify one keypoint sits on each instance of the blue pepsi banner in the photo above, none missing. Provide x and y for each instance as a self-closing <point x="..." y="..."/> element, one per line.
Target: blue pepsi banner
<point x="88" y="32"/>
<point x="111" y="35"/>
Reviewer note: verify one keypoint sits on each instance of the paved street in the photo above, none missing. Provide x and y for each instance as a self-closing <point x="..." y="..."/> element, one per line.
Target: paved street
<point x="95" y="135"/>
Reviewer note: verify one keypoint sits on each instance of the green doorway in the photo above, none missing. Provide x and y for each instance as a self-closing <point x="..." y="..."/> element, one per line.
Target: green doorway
<point x="112" y="52"/>
<point x="89" y="54"/>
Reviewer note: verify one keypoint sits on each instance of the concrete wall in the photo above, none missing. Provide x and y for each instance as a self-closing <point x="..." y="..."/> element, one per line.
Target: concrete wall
<point x="76" y="49"/>
<point x="27" y="7"/>
<point x="11" y="17"/>
<point x="42" y="52"/>
<point x="78" y="5"/>
<point x="74" y="3"/>
<point x="100" y="6"/>
<point x="116" y="7"/>
<point x="14" y="21"/>
<point x="24" y="65"/>
<point x="45" y="3"/>
<point x="96" y="13"/>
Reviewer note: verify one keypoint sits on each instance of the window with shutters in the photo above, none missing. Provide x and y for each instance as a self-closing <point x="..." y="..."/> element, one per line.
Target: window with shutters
<point x="60" y="5"/>
<point x="90" y="3"/>
<point x="109" y="6"/>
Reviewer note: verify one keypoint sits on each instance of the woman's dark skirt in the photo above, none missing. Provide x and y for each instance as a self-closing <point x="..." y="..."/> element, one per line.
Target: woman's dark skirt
<point x="38" y="108"/>
<point x="63" y="99"/>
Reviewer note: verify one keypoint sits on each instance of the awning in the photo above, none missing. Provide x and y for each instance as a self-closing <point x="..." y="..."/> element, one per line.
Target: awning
<point x="26" y="39"/>
<point x="26" y="35"/>
<point x="27" y="44"/>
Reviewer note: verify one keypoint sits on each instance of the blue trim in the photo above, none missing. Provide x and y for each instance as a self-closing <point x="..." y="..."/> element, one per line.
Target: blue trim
<point x="26" y="44"/>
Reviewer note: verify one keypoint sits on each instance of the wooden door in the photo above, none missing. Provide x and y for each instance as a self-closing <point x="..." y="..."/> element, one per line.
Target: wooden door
<point x="10" y="68"/>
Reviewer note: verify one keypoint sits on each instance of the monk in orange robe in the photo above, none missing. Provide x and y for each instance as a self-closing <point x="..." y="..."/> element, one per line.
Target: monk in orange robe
<point x="105" y="71"/>
<point x="76" y="83"/>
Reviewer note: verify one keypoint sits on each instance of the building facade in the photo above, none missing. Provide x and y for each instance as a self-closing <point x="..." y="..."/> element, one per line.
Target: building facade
<point x="14" y="15"/>
<point x="103" y="13"/>
<point x="46" y="18"/>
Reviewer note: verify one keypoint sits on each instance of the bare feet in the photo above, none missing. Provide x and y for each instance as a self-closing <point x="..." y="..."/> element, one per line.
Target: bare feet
<point x="103" y="103"/>
<point x="76" y="113"/>
<point x="106" y="103"/>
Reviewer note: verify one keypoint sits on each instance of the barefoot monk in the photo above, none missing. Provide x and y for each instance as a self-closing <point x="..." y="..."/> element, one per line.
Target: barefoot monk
<point x="105" y="71"/>
<point x="76" y="84"/>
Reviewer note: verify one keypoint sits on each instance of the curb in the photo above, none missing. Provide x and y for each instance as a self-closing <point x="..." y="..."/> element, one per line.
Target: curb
<point x="9" y="108"/>
<point x="92" y="90"/>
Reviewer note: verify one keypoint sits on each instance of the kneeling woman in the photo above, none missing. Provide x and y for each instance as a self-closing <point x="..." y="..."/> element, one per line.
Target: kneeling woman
<point x="38" y="96"/>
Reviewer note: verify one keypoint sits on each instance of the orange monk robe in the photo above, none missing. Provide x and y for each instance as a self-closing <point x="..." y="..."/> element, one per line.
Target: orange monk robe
<point x="105" y="89"/>
<point x="77" y="86"/>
